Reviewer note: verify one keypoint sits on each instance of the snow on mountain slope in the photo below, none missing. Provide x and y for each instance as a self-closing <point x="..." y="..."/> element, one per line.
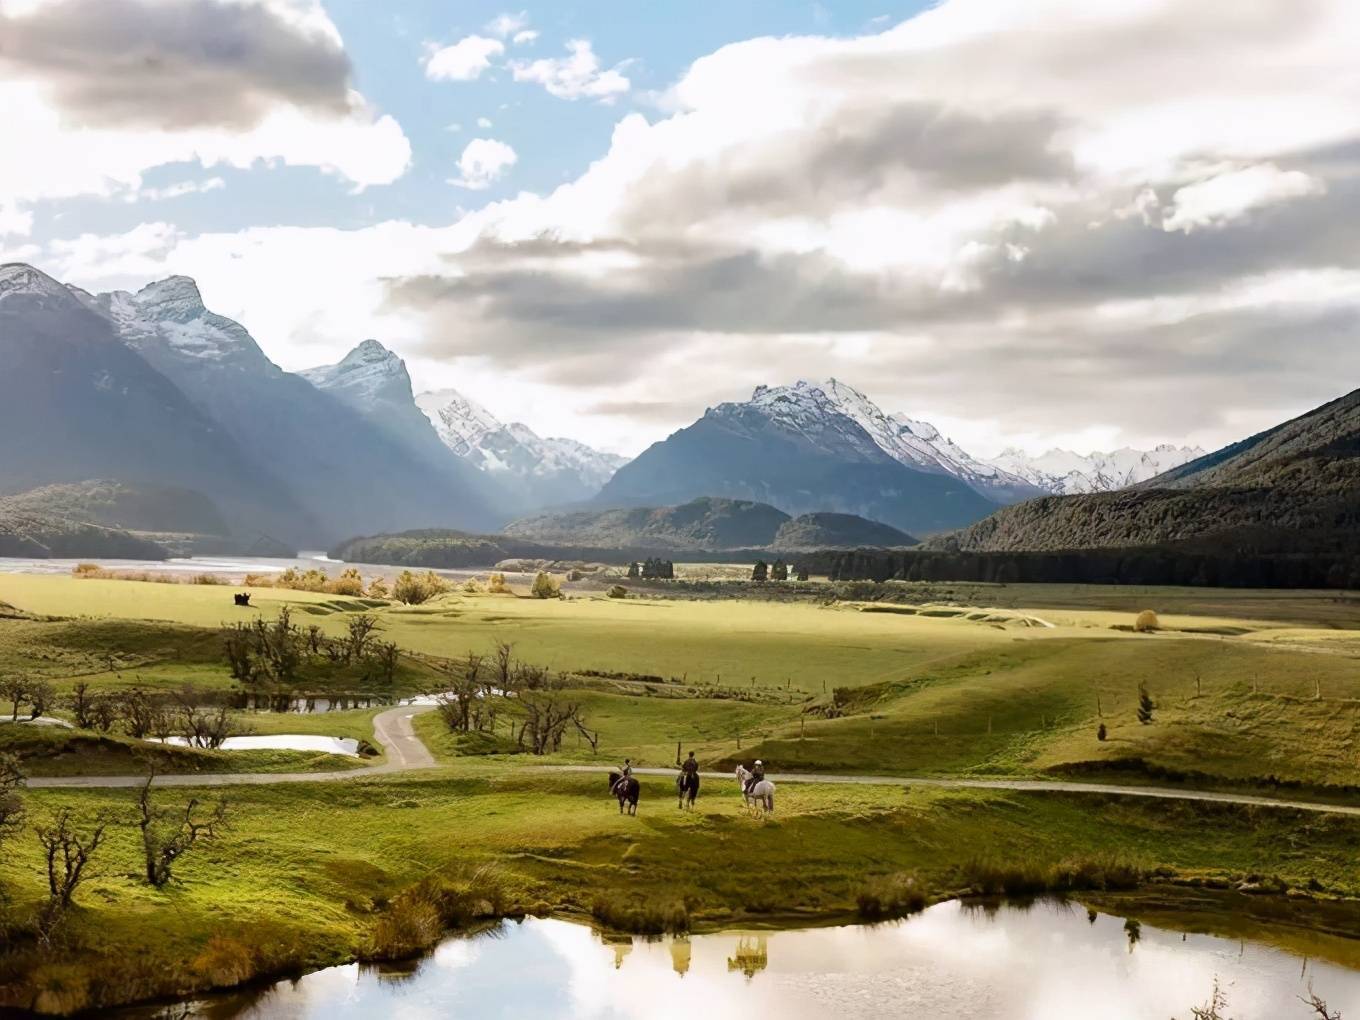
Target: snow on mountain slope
<point x="814" y="408"/>
<point x="548" y="470"/>
<point x="1065" y="473"/>
<point x="367" y="376"/>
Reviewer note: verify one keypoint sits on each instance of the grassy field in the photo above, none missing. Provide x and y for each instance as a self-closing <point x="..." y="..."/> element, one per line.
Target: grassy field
<point x="306" y="875"/>
<point x="311" y="875"/>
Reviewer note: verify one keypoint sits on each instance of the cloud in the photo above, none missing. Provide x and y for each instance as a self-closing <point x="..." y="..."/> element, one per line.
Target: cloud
<point x="178" y="190"/>
<point x="577" y="76"/>
<point x="1224" y="197"/>
<point x="1043" y="239"/>
<point x="507" y="24"/>
<point x="483" y="122"/>
<point x="525" y="37"/>
<point x="97" y="92"/>
<point x="484" y="161"/>
<point x="465" y="60"/>
<point x="176" y="65"/>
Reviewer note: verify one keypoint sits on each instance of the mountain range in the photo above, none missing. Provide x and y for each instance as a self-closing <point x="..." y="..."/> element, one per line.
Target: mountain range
<point x="1291" y="489"/>
<point x="152" y="391"/>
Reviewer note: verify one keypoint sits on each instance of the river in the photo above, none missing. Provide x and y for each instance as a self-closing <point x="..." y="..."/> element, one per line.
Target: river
<point x="1049" y="961"/>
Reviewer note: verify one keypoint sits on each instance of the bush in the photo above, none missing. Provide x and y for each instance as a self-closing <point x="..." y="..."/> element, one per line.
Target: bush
<point x="496" y="585"/>
<point x="86" y="568"/>
<point x="413" y="589"/>
<point x="546" y="586"/>
<point x="890" y="896"/>
<point x="418" y="917"/>
<point x="617" y="591"/>
<point x="1029" y="878"/>
<point x="348" y="583"/>
<point x="207" y="579"/>
<point x="1146" y="622"/>
<point x="640" y="918"/>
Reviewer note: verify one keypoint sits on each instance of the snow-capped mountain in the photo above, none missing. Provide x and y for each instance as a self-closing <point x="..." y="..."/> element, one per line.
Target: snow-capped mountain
<point x="915" y="443"/>
<point x="809" y="448"/>
<point x="542" y="471"/>
<point x="1065" y="473"/>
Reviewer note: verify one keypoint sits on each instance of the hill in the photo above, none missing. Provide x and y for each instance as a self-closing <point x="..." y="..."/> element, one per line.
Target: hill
<point x="706" y="523"/>
<point x="1292" y="489"/>
<point x="832" y="531"/>
<point x="113" y="504"/>
<point x="35" y="536"/>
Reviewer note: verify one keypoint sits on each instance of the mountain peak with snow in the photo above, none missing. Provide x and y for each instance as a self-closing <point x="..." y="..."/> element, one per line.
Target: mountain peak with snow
<point x="542" y="471"/>
<point x="1065" y="473"/>
<point x="19" y="279"/>
<point x="368" y="376"/>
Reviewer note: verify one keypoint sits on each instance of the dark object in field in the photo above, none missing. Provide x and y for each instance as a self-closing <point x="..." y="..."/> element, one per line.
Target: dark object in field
<point x="242" y="600"/>
<point x="1101" y="732"/>
<point x="627" y="791"/>
<point x="687" y="788"/>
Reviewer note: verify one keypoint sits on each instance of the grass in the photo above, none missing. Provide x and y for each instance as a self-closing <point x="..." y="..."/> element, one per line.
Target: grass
<point x="318" y="874"/>
<point x="310" y="876"/>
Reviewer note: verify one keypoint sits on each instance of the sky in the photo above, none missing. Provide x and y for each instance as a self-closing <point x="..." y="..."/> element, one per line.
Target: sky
<point x="1051" y="223"/>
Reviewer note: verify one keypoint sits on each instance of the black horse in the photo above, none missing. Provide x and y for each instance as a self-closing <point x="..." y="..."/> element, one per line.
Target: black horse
<point x="687" y="788"/>
<point x="626" y="791"/>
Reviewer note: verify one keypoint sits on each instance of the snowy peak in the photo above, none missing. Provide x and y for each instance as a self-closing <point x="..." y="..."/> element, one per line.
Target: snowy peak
<point x="176" y="298"/>
<point x="836" y="411"/>
<point x="20" y="280"/>
<point x="167" y="319"/>
<point x="1065" y="473"/>
<point x="368" y="377"/>
<point x="551" y="470"/>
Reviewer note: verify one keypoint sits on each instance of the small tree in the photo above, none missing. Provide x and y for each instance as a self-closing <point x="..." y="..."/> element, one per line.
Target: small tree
<point x="1145" y="705"/>
<point x="14" y="690"/>
<point x="11" y="804"/>
<point x="1146" y="622"/>
<point x="761" y="571"/>
<point x="168" y="835"/>
<point x="350" y="582"/>
<point x="1101" y="732"/>
<point x="634" y="571"/>
<point x="41" y="696"/>
<point x="79" y="703"/>
<point x="780" y="571"/>
<point x="801" y="572"/>
<point x="361" y="628"/>
<point x="377" y="589"/>
<point x="546" y="586"/>
<point x="495" y="584"/>
<point x="67" y="853"/>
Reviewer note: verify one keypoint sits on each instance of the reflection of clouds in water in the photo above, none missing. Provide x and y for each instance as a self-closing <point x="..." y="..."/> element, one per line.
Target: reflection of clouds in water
<point x="948" y="963"/>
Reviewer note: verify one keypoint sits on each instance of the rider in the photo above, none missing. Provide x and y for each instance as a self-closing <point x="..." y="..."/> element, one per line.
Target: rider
<point x="625" y="772"/>
<point x="757" y="774"/>
<point x="689" y="767"/>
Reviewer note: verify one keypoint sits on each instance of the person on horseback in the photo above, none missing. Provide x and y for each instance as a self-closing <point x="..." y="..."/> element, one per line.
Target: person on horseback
<point x="625" y="772"/>
<point x="757" y="774"/>
<point x="690" y="766"/>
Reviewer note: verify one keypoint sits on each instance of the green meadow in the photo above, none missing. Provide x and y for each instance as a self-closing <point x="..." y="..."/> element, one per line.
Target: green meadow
<point x="980" y="685"/>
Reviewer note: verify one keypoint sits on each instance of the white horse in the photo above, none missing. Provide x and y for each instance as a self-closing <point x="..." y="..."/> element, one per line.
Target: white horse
<point x="760" y="796"/>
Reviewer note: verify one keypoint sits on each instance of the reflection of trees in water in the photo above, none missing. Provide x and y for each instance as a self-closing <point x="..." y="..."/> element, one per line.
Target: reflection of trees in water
<point x="1134" y="930"/>
<point x="622" y="946"/>
<point x="680" y="955"/>
<point x="752" y="955"/>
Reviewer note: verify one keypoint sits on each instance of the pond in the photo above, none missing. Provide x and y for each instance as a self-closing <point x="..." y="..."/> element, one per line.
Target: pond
<point x="1045" y="962"/>
<point x="284" y="742"/>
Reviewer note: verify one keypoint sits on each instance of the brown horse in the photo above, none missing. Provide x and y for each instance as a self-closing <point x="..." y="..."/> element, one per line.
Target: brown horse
<point x="626" y="791"/>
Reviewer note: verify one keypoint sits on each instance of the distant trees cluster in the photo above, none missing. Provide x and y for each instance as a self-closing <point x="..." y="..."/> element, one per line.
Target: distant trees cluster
<point x="274" y="652"/>
<point x="17" y="692"/>
<point x="1153" y="565"/>
<point x="482" y="691"/>
<point x="777" y="571"/>
<point x="652" y="568"/>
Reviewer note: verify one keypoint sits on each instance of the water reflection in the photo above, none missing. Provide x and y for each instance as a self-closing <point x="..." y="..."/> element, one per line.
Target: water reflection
<point x="1048" y="961"/>
<point x="284" y="742"/>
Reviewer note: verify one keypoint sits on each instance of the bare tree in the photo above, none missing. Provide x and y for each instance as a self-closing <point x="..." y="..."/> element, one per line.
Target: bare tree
<point x="463" y="689"/>
<point x="388" y="656"/>
<point x="205" y="726"/>
<point x="139" y="712"/>
<point x="168" y="835"/>
<point x="67" y="853"/>
<point x="503" y="666"/>
<point x="11" y="804"/>
<point x="1319" y="1006"/>
<point x="546" y="722"/>
<point x="79" y="702"/>
<point x="361" y="629"/>
<point x="103" y="713"/>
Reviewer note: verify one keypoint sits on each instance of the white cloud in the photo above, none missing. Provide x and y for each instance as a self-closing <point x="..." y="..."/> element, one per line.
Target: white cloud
<point x="13" y="220"/>
<point x="177" y="190"/>
<point x="84" y="130"/>
<point x="465" y="60"/>
<point x="1227" y="196"/>
<point x="484" y="161"/>
<point x="483" y="122"/>
<point x="507" y="24"/>
<point x="577" y="76"/>
<point x="525" y="37"/>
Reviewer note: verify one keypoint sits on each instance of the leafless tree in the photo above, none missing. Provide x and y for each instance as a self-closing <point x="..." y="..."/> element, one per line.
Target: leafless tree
<point x="361" y="629"/>
<point x="1319" y="1006"/>
<point x="503" y="666"/>
<point x="67" y="853"/>
<point x="79" y="702"/>
<point x="103" y="713"/>
<point x="139" y="712"/>
<point x="204" y="726"/>
<point x="387" y="655"/>
<point x="11" y="804"/>
<point x="168" y="835"/>
<point x="546" y="722"/>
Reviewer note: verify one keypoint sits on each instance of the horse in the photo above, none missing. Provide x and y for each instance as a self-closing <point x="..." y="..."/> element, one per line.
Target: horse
<point x="687" y="787"/>
<point x="760" y="796"/>
<point x="627" y="791"/>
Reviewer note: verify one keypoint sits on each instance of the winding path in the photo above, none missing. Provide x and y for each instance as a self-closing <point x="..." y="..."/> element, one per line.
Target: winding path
<point x="391" y="729"/>
<point x="405" y="753"/>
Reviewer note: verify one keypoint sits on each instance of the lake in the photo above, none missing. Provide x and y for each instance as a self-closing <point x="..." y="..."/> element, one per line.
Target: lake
<point x="283" y="742"/>
<point x="1046" y="962"/>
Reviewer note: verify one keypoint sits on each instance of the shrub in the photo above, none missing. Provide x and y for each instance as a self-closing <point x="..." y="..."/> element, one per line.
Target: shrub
<point x="890" y="896"/>
<point x="1145" y="705"/>
<point x="471" y="586"/>
<point x="617" y="591"/>
<point x="413" y="589"/>
<point x="225" y="961"/>
<point x="419" y="916"/>
<point x="546" y="586"/>
<point x="640" y="918"/>
<point x="208" y="579"/>
<point x="86" y="568"/>
<point x="348" y="583"/>
<point x="1146" y="622"/>
<point x="496" y="585"/>
<point x="377" y="589"/>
